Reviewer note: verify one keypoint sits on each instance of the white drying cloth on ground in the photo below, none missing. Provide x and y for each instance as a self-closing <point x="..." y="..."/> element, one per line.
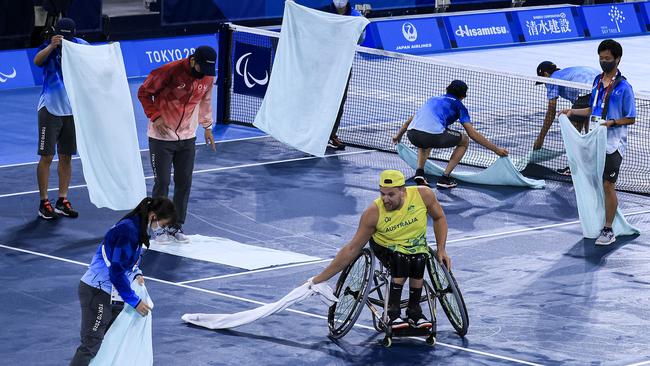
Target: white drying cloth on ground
<point x="95" y="80"/>
<point x="310" y="72"/>
<point x="129" y="340"/>
<point x="502" y="172"/>
<point x="225" y="321"/>
<point x="586" y="154"/>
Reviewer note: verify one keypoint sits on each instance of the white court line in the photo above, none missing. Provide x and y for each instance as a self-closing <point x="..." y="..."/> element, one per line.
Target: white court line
<point x="214" y="169"/>
<point x="257" y="271"/>
<point x="432" y="243"/>
<point x="534" y="228"/>
<point x="141" y="150"/>
<point x="640" y="363"/>
<point x="262" y="303"/>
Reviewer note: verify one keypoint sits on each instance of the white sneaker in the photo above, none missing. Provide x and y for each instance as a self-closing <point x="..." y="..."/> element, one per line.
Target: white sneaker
<point x="178" y="235"/>
<point x="163" y="238"/>
<point x="606" y="237"/>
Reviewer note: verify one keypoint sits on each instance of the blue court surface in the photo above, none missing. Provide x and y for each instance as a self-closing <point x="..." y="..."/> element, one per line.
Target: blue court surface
<point x="536" y="291"/>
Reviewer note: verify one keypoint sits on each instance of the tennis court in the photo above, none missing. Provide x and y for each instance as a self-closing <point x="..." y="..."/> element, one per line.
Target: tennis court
<point x="537" y="292"/>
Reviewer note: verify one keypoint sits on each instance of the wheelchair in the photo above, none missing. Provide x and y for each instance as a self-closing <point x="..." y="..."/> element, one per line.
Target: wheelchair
<point x="360" y="283"/>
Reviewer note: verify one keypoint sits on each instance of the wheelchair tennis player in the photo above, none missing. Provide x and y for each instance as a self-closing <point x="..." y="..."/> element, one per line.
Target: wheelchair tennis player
<point x="396" y="225"/>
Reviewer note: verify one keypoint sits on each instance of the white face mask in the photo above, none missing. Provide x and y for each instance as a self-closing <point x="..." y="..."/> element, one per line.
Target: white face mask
<point x="154" y="229"/>
<point x="340" y="3"/>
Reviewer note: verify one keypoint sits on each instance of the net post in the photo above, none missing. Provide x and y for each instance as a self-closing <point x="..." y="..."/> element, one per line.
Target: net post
<point x="224" y="76"/>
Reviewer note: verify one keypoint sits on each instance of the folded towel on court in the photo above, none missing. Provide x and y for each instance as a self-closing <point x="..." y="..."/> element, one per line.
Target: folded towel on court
<point x="95" y="80"/>
<point x="502" y="172"/>
<point x="310" y="72"/>
<point x="586" y="154"/>
<point x="128" y="340"/>
<point x="225" y="321"/>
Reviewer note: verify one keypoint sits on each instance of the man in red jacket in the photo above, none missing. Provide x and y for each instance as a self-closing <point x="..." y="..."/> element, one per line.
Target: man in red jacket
<point x="170" y="97"/>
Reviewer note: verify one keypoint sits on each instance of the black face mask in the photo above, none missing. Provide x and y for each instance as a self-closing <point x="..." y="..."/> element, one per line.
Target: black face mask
<point x="607" y="66"/>
<point x="196" y="74"/>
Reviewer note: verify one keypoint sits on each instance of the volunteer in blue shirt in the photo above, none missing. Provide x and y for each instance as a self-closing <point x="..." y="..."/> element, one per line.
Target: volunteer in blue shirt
<point x="341" y="7"/>
<point x="55" y="123"/>
<point x="112" y="270"/>
<point x="429" y="128"/>
<point x="612" y="104"/>
<point x="578" y="99"/>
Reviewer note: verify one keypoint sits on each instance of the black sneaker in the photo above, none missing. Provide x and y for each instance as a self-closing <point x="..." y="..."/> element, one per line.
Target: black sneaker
<point x="335" y="143"/>
<point x="566" y="171"/>
<point x="46" y="211"/>
<point x="446" y="182"/>
<point x="420" y="180"/>
<point x="64" y="208"/>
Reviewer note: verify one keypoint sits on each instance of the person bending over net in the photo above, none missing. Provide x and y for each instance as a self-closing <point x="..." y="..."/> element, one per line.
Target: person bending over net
<point x="395" y="224"/>
<point x="429" y="128"/>
<point x="578" y="98"/>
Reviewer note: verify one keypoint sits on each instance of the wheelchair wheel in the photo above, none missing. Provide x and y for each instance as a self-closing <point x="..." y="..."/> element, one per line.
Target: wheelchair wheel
<point x="448" y="294"/>
<point x="351" y="290"/>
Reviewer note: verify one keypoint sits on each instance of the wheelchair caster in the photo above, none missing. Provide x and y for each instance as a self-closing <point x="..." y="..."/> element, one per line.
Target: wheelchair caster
<point x="387" y="342"/>
<point x="431" y="340"/>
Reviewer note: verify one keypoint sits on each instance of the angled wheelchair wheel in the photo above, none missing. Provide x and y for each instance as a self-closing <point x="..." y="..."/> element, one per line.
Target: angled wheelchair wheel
<point x="448" y="293"/>
<point x="351" y="290"/>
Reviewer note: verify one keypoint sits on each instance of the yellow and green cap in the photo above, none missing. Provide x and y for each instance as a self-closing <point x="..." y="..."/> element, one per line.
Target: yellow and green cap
<point x="391" y="178"/>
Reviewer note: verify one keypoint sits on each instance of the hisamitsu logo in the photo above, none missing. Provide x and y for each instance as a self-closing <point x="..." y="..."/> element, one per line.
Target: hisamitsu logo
<point x="409" y="31"/>
<point x="4" y="77"/>
<point x="466" y="31"/>
<point x="252" y="69"/>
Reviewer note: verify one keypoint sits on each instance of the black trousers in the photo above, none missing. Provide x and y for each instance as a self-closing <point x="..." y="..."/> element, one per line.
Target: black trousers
<point x="97" y="315"/>
<point x="337" y="123"/>
<point x="180" y="155"/>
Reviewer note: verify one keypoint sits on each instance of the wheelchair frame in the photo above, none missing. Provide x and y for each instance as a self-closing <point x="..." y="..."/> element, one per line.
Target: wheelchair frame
<point x="440" y="285"/>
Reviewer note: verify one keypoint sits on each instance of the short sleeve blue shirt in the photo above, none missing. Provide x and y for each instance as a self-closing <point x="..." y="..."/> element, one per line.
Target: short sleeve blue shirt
<point x="621" y="105"/>
<point x="53" y="95"/>
<point x="437" y="113"/>
<point x="576" y="74"/>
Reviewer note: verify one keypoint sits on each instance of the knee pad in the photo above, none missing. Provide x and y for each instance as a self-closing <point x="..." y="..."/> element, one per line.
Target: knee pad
<point x="417" y="264"/>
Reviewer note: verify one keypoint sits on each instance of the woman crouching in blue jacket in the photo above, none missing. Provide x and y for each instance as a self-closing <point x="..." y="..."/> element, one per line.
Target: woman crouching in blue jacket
<point x="113" y="268"/>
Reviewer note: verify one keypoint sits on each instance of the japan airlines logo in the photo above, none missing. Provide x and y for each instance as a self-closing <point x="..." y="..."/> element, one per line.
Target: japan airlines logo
<point x="616" y="16"/>
<point x="247" y="75"/>
<point x="4" y="77"/>
<point x="409" y="32"/>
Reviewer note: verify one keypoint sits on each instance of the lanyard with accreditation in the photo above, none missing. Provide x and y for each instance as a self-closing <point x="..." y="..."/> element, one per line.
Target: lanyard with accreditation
<point x="596" y="120"/>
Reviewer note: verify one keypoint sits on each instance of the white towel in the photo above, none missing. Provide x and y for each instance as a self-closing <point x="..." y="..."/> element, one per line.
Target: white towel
<point x="129" y="339"/>
<point x="586" y="154"/>
<point x="96" y="84"/>
<point x="225" y="321"/>
<point x="309" y="76"/>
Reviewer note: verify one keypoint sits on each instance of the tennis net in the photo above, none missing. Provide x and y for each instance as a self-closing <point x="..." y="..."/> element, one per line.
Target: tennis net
<point x="387" y="87"/>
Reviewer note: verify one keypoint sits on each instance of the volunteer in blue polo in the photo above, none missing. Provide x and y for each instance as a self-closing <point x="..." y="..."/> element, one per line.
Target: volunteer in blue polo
<point x="56" y="133"/>
<point x="429" y="129"/>
<point x="578" y="99"/>
<point x="612" y="104"/>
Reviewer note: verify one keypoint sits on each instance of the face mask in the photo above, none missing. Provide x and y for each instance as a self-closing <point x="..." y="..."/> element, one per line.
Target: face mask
<point x="340" y="3"/>
<point x="607" y="66"/>
<point x="196" y="74"/>
<point x="154" y="229"/>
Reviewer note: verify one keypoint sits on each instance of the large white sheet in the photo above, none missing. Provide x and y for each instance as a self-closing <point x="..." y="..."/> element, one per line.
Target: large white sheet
<point x="129" y="339"/>
<point x="586" y="154"/>
<point x="107" y="141"/>
<point x="225" y="321"/>
<point x="310" y="71"/>
<point x="231" y="253"/>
